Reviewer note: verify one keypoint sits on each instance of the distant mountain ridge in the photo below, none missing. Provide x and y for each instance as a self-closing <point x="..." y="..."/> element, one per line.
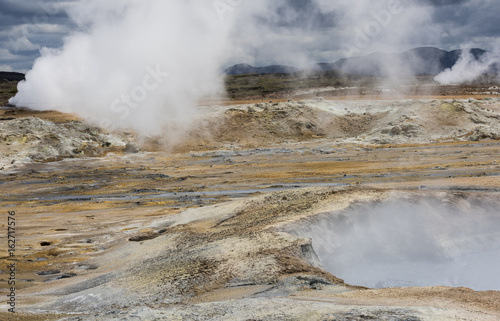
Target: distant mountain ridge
<point x="419" y="61"/>
<point x="11" y="76"/>
<point x="241" y="69"/>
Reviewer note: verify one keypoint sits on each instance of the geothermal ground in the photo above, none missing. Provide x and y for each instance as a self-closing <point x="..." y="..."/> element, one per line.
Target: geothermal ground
<point x="303" y="210"/>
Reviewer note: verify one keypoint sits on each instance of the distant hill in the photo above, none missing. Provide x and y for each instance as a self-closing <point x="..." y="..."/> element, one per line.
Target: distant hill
<point x="414" y="62"/>
<point x="242" y="69"/>
<point x="11" y="76"/>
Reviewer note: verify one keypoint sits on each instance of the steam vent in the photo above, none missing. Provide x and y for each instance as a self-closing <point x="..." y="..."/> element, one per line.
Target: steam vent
<point x="249" y="160"/>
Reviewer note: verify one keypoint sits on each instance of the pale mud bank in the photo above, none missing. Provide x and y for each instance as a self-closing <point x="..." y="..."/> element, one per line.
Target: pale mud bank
<point x="265" y="124"/>
<point x="369" y="122"/>
<point x="244" y="260"/>
<point x="218" y="228"/>
<point x="24" y="140"/>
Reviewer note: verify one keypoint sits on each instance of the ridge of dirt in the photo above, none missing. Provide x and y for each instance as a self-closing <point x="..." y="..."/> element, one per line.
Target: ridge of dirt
<point x="34" y="139"/>
<point x="220" y="248"/>
<point x="372" y="122"/>
<point x="139" y="238"/>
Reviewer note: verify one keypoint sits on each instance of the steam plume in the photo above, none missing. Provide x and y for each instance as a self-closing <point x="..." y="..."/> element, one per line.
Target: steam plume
<point x="400" y="243"/>
<point x="139" y="65"/>
<point x="468" y="68"/>
<point x="145" y="64"/>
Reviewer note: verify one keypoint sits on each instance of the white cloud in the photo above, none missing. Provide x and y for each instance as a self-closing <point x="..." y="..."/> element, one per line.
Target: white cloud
<point x="22" y="44"/>
<point x="5" y="55"/>
<point x="5" y="68"/>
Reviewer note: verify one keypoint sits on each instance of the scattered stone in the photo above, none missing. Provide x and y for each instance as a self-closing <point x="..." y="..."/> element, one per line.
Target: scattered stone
<point x="87" y="267"/>
<point x="131" y="148"/>
<point x="35" y="139"/>
<point x="50" y="272"/>
<point x="144" y="236"/>
<point x="396" y="130"/>
<point x="65" y="276"/>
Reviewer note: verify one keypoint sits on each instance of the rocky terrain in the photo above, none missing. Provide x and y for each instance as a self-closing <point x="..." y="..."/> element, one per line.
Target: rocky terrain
<point x="368" y="122"/>
<point x="7" y="89"/>
<point x="264" y="124"/>
<point x="35" y="139"/>
<point x="246" y="218"/>
<point x="234" y="260"/>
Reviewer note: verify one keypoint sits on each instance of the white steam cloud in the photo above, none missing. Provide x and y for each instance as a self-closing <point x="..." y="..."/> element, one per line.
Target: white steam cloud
<point x="402" y="243"/>
<point x="299" y="33"/>
<point x="468" y="68"/>
<point x="145" y="64"/>
<point x="140" y="64"/>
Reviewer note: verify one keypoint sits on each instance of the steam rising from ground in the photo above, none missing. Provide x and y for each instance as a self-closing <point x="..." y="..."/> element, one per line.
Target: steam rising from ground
<point x="145" y="64"/>
<point x="403" y="243"/>
<point x="300" y="33"/>
<point x="468" y="68"/>
<point x="139" y="64"/>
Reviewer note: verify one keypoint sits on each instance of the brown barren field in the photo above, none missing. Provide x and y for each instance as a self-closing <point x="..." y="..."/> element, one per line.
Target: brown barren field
<point x="199" y="231"/>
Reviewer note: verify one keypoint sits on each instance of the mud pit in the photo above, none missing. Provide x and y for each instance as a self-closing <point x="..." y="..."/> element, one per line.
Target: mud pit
<point x="212" y="229"/>
<point x="431" y="240"/>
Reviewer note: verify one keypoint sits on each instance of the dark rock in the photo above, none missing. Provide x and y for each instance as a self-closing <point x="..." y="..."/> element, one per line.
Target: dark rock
<point x="396" y="130"/>
<point x="145" y="236"/>
<point x="131" y="148"/>
<point x="50" y="272"/>
<point x="65" y="276"/>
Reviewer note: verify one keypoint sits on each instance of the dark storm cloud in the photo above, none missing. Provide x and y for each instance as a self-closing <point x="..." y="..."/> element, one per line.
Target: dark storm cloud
<point x="328" y="25"/>
<point x="26" y="26"/>
<point x="472" y="22"/>
<point x="315" y="28"/>
<point x="303" y="14"/>
<point x="14" y="13"/>
<point x="438" y="3"/>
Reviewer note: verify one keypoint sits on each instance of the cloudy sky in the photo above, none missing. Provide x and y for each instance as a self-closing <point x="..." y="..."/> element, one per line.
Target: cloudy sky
<point x="290" y="32"/>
